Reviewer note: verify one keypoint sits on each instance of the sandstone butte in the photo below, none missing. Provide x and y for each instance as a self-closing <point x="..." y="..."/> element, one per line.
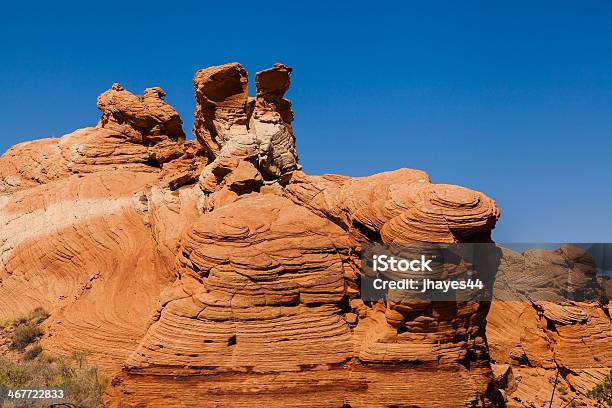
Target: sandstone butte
<point x="214" y="272"/>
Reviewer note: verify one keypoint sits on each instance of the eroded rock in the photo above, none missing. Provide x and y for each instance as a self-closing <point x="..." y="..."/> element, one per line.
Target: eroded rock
<point x="217" y="271"/>
<point x="535" y="329"/>
<point x="141" y="118"/>
<point x="233" y="127"/>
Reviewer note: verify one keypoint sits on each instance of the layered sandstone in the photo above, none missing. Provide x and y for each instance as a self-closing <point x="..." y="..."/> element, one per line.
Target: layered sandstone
<point x="84" y="223"/>
<point x="535" y="329"/>
<point x="216" y="273"/>
<point x="139" y="117"/>
<point x="235" y="128"/>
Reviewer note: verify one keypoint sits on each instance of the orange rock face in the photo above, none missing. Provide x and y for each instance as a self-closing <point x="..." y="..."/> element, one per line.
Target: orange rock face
<point x="216" y="273"/>
<point x="83" y="230"/>
<point x="139" y="117"/>
<point x="536" y="333"/>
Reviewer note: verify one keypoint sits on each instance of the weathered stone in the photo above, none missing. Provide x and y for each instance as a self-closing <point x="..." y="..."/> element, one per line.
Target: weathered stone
<point x="242" y="288"/>
<point x="141" y="118"/>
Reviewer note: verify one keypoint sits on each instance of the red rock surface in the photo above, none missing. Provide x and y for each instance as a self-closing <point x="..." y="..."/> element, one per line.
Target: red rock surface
<point x="216" y="273"/>
<point x="535" y="334"/>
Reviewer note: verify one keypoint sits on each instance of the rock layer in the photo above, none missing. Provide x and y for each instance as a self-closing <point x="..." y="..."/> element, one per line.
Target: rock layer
<point x="139" y="117"/>
<point x="233" y="127"/>
<point x="216" y="273"/>
<point x="535" y="333"/>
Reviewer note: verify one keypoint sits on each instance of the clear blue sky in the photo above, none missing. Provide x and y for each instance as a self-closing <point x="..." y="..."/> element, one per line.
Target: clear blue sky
<point x="512" y="98"/>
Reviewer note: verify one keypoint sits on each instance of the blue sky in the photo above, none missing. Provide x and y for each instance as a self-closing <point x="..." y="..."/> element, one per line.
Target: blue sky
<point x="510" y="98"/>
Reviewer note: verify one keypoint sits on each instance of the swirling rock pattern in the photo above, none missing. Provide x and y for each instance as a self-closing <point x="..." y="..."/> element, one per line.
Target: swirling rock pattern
<point x="536" y="332"/>
<point x="216" y="273"/>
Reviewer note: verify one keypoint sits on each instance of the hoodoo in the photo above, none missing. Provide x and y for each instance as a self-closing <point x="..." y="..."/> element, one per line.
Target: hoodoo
<point x="215" y="272"/>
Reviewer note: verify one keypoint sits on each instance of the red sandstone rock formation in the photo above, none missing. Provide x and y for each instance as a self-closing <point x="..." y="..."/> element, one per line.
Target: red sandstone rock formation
<point x="139" y="117"/>
<point x="216" y="273"/>
<point x="535" y="333"/>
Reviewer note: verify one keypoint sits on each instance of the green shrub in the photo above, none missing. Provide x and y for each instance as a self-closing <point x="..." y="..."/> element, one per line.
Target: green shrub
<point x="38" y="315"/>
<point x="602" y="393"/>
<point x="32" y="352"/>
<point x="24" y="335"/>
<point x="80" y="357"/>
<point x="12" y="375"/>
<point x="23" y="330"/>
<point x="84" y="385"/>
<point x="20" y="320"/>
<point x="35" y="369"/>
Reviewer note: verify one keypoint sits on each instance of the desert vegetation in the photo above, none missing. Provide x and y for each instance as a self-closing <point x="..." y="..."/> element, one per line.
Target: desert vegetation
<point x="602" y="393"/>
<point x="24" y="364"/>
<point x="24" y="330"/>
